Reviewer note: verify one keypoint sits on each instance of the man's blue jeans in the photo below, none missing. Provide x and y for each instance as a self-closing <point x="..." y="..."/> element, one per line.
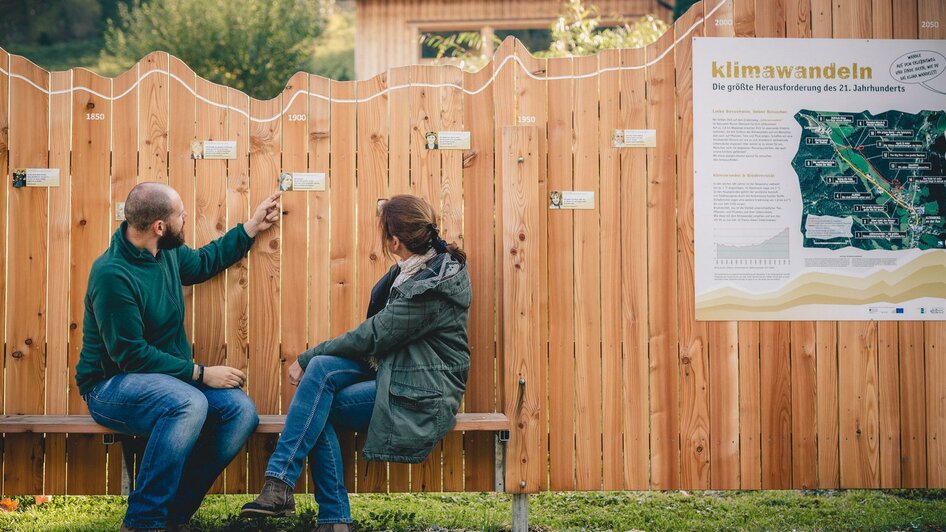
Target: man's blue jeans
<point x="335" y="393"/>
<point x="193" y="432"/>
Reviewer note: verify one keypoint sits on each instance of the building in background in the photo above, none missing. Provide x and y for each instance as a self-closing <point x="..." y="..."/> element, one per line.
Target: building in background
<point x="388" y="31"/>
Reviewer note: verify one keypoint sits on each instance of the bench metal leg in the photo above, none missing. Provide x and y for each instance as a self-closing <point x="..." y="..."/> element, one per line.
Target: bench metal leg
<point x="520" y="501"/>
<point x="128" y="461"/>
<point x="520" y="512"/>
<point x="499" y="457"/>
<point x="128" y="457"/>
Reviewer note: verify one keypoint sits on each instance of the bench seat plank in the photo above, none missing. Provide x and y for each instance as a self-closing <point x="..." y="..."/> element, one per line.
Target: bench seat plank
<point x="270" y="424"/>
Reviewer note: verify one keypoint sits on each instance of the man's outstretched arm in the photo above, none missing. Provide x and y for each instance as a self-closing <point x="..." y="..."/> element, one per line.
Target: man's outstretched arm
<point x="198" y="265"/>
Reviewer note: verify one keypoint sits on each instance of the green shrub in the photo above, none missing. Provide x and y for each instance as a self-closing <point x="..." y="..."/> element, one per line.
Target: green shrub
<point x="247" y="44"/>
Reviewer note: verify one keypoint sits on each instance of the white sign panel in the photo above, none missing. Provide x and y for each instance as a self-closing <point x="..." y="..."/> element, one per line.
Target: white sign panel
<point x="820" y="179"/>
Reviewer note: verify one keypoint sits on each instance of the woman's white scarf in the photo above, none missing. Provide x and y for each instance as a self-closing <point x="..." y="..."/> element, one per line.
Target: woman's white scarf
<point x="412" y="265"/>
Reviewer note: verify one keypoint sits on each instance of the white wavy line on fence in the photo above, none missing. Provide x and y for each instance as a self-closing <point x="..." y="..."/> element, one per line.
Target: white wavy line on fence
<point x="492" y="78"/>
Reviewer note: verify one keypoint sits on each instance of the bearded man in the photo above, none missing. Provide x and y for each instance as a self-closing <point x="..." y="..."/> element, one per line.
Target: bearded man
<point x="136" y="369"/>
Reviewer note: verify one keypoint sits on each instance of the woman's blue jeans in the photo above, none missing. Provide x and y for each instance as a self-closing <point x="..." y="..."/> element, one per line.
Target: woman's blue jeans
<point x="335" y="393"/>
<point x="193" y="432"/>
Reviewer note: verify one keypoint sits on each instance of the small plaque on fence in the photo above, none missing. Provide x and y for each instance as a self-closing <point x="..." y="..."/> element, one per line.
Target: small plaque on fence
<point x="301" y="181"/>
<point x="35" y="177"/>
<point x="571" y="199"/>
<point x="634" y="138"/>
<point x="120" y="211"/>
<point x="447" y="140"/>
<point x="214" y="149"/>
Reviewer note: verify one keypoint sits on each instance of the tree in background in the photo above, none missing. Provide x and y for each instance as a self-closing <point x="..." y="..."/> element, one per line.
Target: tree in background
<point x="579" y="30"/>
<point x="46" y="22"/>
<point x="251" y="45"/>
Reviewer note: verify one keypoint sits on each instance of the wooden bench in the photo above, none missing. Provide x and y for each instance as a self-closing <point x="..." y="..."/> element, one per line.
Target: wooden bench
<point x="268" y="424"/>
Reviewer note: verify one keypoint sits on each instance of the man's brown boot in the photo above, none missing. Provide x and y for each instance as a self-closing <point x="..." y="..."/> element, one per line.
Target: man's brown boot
<point x="275" y="500"/>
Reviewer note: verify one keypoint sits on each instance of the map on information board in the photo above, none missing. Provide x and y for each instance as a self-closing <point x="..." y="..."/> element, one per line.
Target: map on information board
<point x="872" y="182"/>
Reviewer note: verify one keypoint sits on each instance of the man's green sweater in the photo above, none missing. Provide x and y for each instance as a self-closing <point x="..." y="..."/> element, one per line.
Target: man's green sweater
<point x="134" y="306"/>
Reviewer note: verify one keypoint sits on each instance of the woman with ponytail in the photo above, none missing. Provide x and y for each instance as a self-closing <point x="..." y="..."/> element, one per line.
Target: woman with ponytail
<point x="400" y="375"/>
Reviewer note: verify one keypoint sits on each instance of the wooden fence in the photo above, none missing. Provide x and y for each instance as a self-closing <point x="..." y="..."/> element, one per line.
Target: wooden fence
<point x="593" y="309"/>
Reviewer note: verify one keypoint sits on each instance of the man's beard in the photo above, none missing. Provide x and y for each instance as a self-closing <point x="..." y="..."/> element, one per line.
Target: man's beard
<point x="171" y="240"/>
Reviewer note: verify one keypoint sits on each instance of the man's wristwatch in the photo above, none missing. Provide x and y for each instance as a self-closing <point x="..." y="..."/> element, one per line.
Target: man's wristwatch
<point x="200" y="373"/>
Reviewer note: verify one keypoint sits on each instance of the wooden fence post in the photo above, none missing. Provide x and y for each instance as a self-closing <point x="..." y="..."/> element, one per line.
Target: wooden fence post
<point x="525" y="463"/>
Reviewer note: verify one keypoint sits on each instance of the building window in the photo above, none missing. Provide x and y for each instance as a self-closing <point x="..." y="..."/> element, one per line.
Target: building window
<point x="535" y="39"/>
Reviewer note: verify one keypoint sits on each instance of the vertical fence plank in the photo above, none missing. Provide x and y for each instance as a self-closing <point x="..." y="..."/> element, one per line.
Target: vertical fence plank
<point x="776" y="401"/>
<point x="888" y="343"/>
<point x="561" y="245"/>
<point x="933" y="12"/>
<point x="829" y="472"/>
<point x="4" y="170"/>
<point x="294" y="239"/>
<point x="634" y="285"/>
<point x="399" y="182"/>
<point x="770" y="18"/>
<point x="153" y="117"/>
<point x="57" y="307"/>
<point x="662" y="271"/>
<point x="936" y="405"/>
<point x="804" y="405"/>
<point x="909" y="352"/>
<point x="693" y="357"/>
<point x="913" y="405"/>
<point x="91" y="230"/>
<point x="744" y="14"/>
<point x="210" y="218"/>
<point x="124" y="176"/>
<point x="372" y="263"/>
<point x="504" y="114"/>
<point x="479" y="242"/>
<point x="210" y="223"/>
<point x="797" y="18"/>
<point x="532" y="108"/>
<point x="888" y="366"/>
<point x="774" y="352"/>
<point x="857" y="393"/>
<point x="182" y="132"/>
<point x="125" y="124"/>
<point x="826" y="357"/>
<point x="425" y="118"/>
<point x="425" y="182"/>
<point x="750" y="404"/>
<point x="723" y="342"/>
<point x="451" y="229"/>
<point x="343" y="219"/>
<point x="609" y="94"/>
<point x="905" y="17"/>
<point x="26" y="296"/>
<point x="264" y="276"/>
<point x="587" y="282"/>
<point x="857" y="348"/>
<point x="520" y="153"/>
<point x="237" y="297"/>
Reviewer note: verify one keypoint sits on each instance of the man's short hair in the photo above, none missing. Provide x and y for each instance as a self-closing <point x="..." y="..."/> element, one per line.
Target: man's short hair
<point x="146" y="203"/>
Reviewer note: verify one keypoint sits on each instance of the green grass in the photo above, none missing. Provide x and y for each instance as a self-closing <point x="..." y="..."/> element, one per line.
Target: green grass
<point x="710" y="511"/>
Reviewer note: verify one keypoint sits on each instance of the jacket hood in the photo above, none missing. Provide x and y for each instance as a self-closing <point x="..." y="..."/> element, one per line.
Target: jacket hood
<point x="444" y="275"/>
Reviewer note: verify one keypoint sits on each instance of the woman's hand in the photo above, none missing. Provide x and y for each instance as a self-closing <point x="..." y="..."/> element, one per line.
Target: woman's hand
<point x="295" y="373"/>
